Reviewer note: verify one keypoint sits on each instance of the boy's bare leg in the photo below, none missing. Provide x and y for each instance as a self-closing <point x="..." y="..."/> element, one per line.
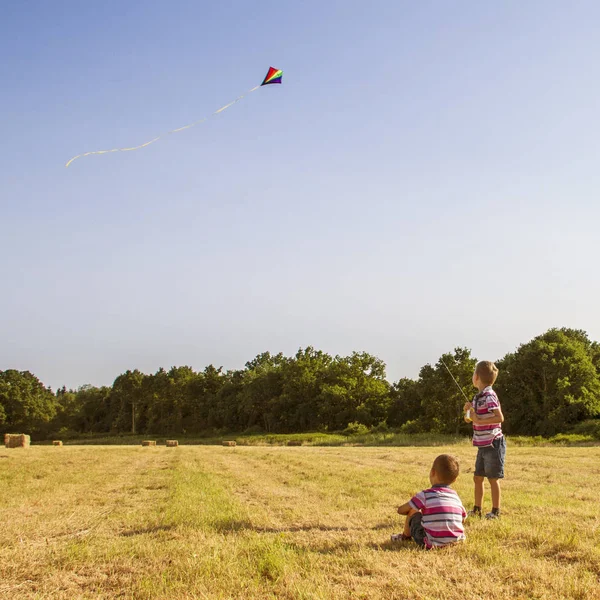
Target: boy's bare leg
<point x="406" y="531"/>
<point x="495" y="489"/>
<point x="479" y="489"/>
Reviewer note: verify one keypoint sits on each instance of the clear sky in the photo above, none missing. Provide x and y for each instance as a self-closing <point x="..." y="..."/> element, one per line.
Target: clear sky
<point x="427" y="176"/>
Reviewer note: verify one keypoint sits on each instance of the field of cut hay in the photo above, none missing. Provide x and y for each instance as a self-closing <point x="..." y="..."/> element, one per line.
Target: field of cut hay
<point x="286" y="522"/>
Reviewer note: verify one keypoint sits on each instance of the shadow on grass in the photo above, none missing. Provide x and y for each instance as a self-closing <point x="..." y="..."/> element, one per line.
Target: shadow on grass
<point x="147" y="530"/>
<point x="345" y="546"/>
<point x="389" y="546"/>
<point x="341" y="547"/>
<point x="297" y="528"/>
<point x="333" y="546"/>
<point x="237" y="525"/>
<point x="385" y="525"/>
<point x="232" y="525"/>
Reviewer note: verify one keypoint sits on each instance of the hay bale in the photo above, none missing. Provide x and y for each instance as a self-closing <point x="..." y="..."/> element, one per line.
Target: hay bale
<point x="149" y="443"/>
<point x="57" y="443"/>
<point x="17" y="440"/>
<point x="172" y="443"/>
<point x="230" y="443"/>
<point x="294" y="443"/>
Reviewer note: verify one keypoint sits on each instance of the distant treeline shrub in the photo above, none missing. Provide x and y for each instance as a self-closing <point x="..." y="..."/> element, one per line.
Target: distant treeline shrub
<point x="548" y="386"/>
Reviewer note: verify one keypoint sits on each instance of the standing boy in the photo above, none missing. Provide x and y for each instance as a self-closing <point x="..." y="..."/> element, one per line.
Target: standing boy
<point x="485" y="413"/>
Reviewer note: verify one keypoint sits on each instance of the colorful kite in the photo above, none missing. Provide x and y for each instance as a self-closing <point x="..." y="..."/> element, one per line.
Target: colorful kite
<point x="273" y="76"/>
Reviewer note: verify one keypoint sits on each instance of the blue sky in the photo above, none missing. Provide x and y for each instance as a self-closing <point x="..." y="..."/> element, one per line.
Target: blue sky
<point x="426" y="177"/>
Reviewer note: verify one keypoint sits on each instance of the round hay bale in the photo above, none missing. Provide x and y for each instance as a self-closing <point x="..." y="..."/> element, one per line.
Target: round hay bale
<point x="229" y="443"/>
<point x="294" y="443"/>
<point x="57" y="443"/>
<point x="17" y="440"/>
<point x="172" y="443"/>
<point x="149" y="443"/>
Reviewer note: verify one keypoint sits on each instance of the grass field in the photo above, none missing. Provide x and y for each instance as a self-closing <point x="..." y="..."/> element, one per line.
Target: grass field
<point x="278" y="522"/>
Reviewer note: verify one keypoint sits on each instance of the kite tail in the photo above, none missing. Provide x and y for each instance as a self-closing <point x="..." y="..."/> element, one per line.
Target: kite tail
<point x="220" y="110"/>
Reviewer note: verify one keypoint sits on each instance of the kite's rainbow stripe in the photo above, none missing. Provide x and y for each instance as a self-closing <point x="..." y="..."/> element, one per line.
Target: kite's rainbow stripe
<point x="273" y="76"/>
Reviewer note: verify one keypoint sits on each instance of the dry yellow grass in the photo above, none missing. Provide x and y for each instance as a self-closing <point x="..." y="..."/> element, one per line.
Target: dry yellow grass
<point x="281" y="522"/>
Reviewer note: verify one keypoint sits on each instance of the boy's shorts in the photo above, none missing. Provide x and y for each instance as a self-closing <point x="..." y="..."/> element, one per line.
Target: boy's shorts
<point x="490" y="460"/>
<point x="416" y="529"/>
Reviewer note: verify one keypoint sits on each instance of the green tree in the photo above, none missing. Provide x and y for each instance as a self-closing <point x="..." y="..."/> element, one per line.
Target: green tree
<point x="443" y="401"/>
<point x="27" y="405"/>
<point x="354" y="390"/>
<point x="91" y="410"/>
<point x="178" y="406"/>
<point x="434" y="402"/>
<point x="152" y="402"/>
<point x="262" y="387"/>
<point x="202" y="399"/>
<point x="226" y="413"/>
<point x="125" y="401"/>
<point x="550" y="383"/>
<point x="67" y="407"/>
<point x="405" y="402"/>
<point x="297" y="407"/>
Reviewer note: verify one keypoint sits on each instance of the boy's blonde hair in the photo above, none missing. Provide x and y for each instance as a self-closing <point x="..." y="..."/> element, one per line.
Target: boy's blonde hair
<point x="487" y="371"/>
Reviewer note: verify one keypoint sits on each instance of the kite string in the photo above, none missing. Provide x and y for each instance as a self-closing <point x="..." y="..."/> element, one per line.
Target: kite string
<point x="220" y="110"/>
<point x="456" y="382"/>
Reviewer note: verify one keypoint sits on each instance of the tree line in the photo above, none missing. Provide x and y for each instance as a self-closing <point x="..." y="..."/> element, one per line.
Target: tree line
<point x="546" y="386"/>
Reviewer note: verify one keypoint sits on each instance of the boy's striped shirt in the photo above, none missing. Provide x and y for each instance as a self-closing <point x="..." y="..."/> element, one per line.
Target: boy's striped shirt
<point x="443" y="515"/>
<point x="484" y="403"/>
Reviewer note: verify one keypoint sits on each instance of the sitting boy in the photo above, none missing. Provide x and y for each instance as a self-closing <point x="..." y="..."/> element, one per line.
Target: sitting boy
<point x="435" y="516"/>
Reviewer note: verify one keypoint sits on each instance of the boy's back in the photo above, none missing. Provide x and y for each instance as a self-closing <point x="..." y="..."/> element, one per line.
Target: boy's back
<point x="443" y="515"/>
<point x="484" y="403"/>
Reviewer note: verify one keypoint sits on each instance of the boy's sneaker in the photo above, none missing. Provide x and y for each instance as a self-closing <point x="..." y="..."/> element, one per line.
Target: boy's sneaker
<point x="400" y="537"/>
<point x="474" y="513"/>
<point x="493" y="515"/>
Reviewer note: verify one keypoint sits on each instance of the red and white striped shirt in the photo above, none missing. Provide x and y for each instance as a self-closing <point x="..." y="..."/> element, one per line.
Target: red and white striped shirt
<point x="443" y="515"/>
<point x="483" y="404"/>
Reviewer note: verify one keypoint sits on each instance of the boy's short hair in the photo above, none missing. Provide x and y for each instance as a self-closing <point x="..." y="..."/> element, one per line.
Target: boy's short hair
<point x="487" y="371"/>
<point x="446" y="468"/>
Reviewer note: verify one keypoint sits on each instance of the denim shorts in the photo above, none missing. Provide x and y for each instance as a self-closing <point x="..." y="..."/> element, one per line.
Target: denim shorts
<point x="490" y="460"/>
<point x="416" y="529"/>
